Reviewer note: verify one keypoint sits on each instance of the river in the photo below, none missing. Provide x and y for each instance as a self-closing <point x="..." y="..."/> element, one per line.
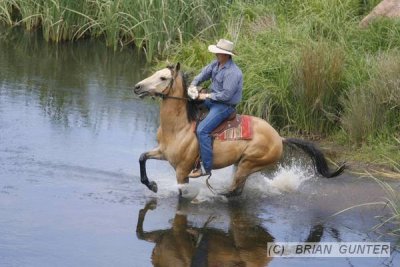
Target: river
<point x="71" y="133"/>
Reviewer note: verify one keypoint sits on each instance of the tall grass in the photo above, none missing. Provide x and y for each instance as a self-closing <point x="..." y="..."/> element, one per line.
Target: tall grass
<point x="373" y="108"/>
<point x="151" y="25"/>
<point x="309" y="68"/>
<point x="317" y="88"/>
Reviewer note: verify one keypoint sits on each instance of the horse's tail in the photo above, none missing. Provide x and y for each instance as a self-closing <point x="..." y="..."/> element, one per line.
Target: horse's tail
<point x="316" y="155"/>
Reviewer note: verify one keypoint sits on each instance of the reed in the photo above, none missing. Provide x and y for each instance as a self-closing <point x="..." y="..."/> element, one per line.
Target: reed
<point x="317" y="88"/>
<point x="151" y="25"/>
<point x="373" y="109"/>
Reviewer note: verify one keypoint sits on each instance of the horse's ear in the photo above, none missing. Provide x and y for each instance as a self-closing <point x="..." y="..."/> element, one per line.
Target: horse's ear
<point x="177" y="67"/>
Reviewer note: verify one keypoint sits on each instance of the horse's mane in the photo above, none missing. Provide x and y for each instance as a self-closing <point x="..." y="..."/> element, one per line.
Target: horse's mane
<point x="192" y="107"/>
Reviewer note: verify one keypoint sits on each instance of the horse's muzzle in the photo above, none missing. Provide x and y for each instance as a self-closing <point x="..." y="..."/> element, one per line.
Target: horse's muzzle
<point x="137" y="88"/>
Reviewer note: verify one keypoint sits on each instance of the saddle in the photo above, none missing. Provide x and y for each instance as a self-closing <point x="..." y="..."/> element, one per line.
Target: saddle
<point x="232" y="121"/>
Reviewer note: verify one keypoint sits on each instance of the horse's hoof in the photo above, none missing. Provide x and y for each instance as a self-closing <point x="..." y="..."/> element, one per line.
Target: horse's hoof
<point x="153" y="186"/>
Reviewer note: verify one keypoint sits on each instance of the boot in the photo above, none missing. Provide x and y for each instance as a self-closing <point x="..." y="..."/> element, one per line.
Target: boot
<point x="198" y="172"/>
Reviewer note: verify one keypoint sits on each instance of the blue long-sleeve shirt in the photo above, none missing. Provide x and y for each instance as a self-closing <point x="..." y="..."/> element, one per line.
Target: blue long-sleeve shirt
<point x="227" y="82"/>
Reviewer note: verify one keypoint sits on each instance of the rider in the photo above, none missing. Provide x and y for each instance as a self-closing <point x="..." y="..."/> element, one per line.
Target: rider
<point x="226" y="93"/>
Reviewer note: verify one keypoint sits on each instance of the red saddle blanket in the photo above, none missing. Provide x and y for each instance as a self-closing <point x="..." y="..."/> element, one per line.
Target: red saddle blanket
<point x="240" y="128"/>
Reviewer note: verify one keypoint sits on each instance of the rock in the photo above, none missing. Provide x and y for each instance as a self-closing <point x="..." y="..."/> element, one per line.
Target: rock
<point x="386" y="8"/>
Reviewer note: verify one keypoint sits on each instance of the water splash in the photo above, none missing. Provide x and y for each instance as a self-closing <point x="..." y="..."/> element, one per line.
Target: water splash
<point x="285" y="179"/>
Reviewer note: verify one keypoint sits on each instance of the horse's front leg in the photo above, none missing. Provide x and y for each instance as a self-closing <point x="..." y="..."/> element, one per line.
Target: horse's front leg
<point x="182" y="173"/>
<point x="153" y="154"/>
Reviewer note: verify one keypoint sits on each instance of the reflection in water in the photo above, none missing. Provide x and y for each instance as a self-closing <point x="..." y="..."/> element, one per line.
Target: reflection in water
<point x="65" y="79"/>
<point x="243" y="244"/>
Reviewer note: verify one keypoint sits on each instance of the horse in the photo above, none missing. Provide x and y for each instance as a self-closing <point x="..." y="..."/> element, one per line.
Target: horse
<point x="178" y="144"/>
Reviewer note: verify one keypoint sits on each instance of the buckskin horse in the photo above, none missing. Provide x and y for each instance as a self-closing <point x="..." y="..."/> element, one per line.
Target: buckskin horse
<point x="177" y="142"/>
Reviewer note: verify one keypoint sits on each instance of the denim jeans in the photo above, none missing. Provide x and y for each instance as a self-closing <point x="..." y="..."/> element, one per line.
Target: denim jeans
<point x="218" y="113"/>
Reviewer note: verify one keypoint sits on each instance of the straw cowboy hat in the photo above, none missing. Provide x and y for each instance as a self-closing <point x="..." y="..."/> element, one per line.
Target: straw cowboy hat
<point x="223" y="47"/>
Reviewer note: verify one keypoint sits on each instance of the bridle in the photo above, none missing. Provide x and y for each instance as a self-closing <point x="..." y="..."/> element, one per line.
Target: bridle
<point x="168" y="89"/>
<point x="165" y="96"/>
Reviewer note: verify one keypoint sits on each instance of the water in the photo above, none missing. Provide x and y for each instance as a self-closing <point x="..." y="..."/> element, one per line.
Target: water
<point x="71" y="133"/>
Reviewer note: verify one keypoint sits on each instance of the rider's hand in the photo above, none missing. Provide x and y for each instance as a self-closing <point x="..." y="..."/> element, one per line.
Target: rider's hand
<point x="193" y="92"/>
<point x="203" y="96"/>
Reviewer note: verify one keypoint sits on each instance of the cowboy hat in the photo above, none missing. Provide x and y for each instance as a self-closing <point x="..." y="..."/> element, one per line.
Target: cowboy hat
<point x="223" y="47"/>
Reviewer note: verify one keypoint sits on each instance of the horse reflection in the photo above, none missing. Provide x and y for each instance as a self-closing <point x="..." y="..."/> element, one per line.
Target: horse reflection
<point x="245" y="243"/>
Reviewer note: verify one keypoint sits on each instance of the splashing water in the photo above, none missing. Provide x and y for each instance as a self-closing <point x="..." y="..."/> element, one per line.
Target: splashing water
<point x="285" y="179"/>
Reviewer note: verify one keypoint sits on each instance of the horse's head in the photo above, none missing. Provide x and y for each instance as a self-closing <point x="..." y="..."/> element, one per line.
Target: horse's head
<point x="159" y="83"/>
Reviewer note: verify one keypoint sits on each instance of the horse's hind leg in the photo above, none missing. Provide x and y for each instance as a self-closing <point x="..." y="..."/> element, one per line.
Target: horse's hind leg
<point x="244" y="169"/>
<point x="247" y="166"/>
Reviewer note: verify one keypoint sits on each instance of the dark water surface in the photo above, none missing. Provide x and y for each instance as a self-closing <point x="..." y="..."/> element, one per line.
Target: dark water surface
<point x="71" y="133"/>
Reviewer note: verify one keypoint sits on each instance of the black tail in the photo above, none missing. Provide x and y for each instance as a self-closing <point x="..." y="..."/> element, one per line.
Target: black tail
<point x="316" y="155"/>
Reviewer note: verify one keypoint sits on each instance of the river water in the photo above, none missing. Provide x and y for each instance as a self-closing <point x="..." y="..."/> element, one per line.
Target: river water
<point x="71" y="133"/>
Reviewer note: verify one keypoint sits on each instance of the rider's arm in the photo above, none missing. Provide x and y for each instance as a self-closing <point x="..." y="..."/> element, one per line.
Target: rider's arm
<point x="204" y="75"/>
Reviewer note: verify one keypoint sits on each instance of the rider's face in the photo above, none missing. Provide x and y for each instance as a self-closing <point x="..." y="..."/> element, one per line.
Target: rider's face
<point x="222" y="58"/>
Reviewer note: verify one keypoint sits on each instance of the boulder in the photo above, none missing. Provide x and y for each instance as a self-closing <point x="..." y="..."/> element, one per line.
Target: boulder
<point x="386" y="8"/>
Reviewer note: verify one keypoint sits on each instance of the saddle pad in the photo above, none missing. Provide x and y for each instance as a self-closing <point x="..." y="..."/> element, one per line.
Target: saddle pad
<point x="243" y="131"/>
<point x="239" y="128"/>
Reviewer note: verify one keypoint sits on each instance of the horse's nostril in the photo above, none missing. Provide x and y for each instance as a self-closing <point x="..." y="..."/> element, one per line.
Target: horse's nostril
<point x="137" y="87"/>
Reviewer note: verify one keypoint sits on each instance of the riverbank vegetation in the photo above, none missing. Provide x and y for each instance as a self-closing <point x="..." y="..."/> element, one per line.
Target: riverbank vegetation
<point x="309" y="69"/>
<point x="150" y="25"/>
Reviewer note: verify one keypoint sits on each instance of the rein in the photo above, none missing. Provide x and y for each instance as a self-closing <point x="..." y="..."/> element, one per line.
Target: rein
<point x="165" y="96"/>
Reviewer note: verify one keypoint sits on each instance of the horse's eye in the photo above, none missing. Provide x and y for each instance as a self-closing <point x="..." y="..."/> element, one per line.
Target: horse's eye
<point x="163" y="78"/>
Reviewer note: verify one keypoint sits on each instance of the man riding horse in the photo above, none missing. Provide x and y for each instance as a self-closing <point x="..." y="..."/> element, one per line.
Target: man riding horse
<point x="178" y="144"/>
<point x="226" y="92"/>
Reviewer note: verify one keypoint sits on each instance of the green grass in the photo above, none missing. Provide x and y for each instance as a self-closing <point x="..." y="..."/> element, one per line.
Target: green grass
<point x="310" y="69"/>
<point x="308" y="66"/>
<point x="151" y="25"/>
<point x="372" y="109"/>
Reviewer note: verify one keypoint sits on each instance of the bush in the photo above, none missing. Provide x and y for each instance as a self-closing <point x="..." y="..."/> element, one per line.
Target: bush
<point x="373" y="109"/>
<point x="317" y="88"/>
